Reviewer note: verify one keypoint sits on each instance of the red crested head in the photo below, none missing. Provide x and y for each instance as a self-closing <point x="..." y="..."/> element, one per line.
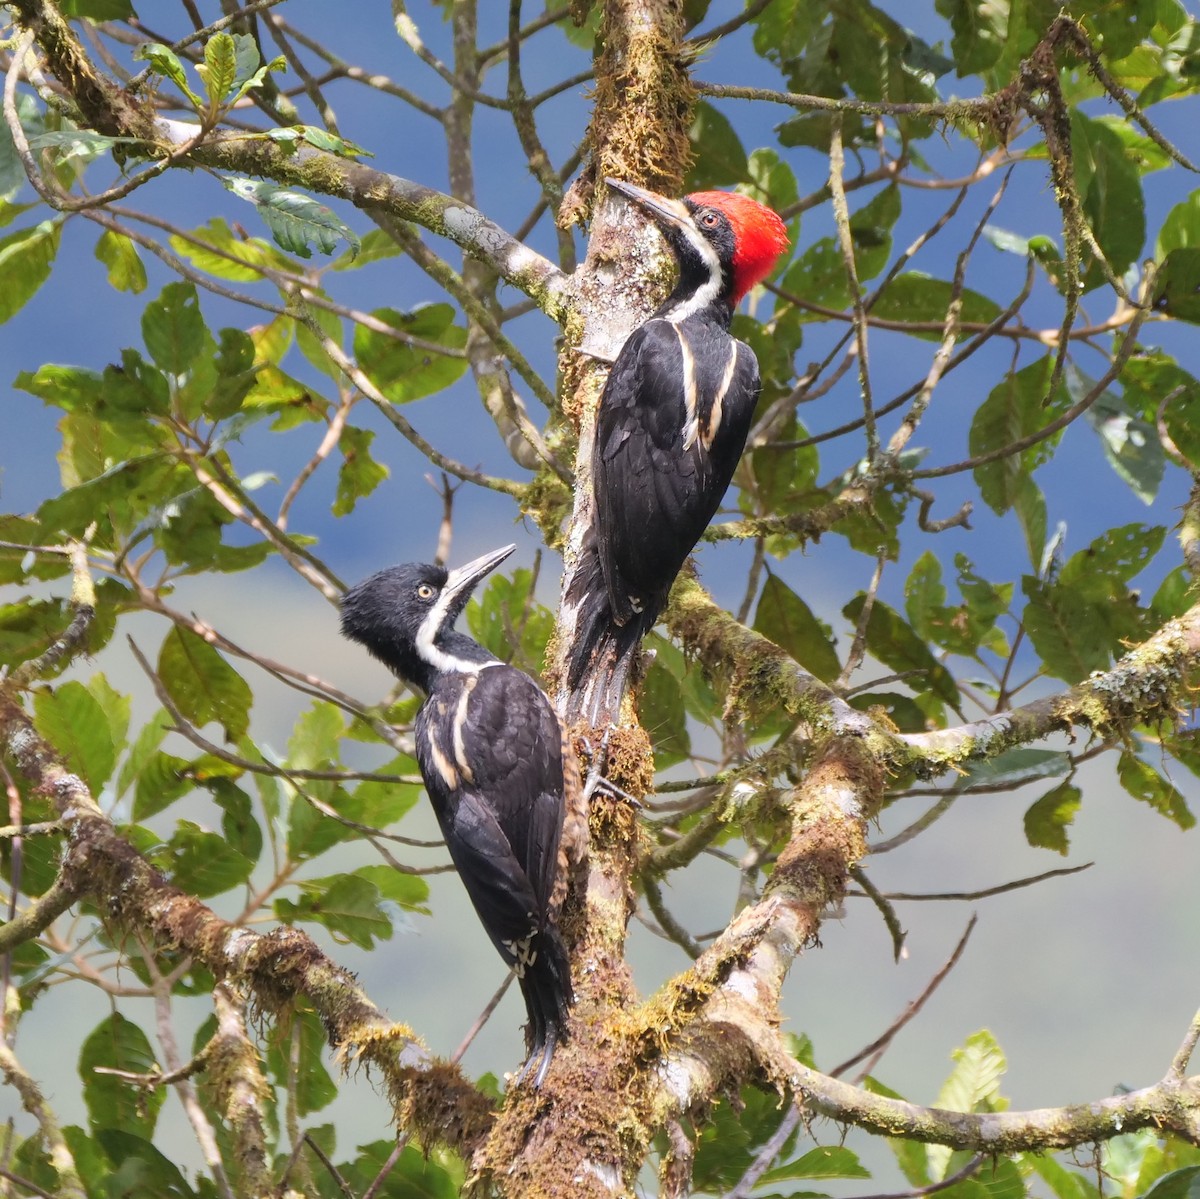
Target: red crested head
<point x="760" y="236"/>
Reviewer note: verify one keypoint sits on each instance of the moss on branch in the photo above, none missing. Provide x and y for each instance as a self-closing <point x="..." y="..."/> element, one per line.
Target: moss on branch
<point x="277" y="968"/>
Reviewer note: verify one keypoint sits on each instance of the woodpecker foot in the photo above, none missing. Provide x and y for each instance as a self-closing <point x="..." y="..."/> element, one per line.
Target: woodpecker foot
<point x="596" y="780"/>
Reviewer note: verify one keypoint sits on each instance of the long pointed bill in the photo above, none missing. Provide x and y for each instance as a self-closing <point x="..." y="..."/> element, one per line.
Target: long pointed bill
<point x="461" y="582"/>
<point x="673" y="212"/>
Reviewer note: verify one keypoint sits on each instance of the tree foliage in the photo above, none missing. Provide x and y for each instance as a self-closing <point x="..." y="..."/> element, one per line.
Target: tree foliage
<point x="958" y="562"/>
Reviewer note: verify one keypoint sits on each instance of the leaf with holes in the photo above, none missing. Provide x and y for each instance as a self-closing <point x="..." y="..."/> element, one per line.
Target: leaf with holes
<point x="296" y="221"/>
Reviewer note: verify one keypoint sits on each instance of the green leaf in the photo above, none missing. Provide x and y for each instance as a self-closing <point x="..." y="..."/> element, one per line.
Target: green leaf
<point x="1116" y="556"/>
<point x="508" y="621"/>
<point x="118" y="1044"/>
<point x="974" y="1083"/>
<point x="307" y="1079"/>
<point x="377" y="246"/>
<point x="980" y="31"/>
<point x="924" y="594"/>
<point x="380" y="804"/>
<point x="1131" y="444"/>
<point x="730" y="1139"/>
<point x="291" y="136"/>
<point x="825" y="1161"/>
<point x="214" y="249"/>
<point x="819" y="274"/>
<point x="219" y="68"/>
<point x="1111" y="191"/>
<point x="784" y="618"/>
<point x="892" y="641"/>
<point x="408" y="891"/>
<point x="1065" y="629"/>
<point x="173" y="328"/>
<point x="1017" y="407"/>
<point x="310" y="345"/>
<point x="1179" y="1184"/>
<point x="295" y="220"/>
<point x="28" y="627"/>
<point x="250" y="70"/>
<point x="165" y="62"/>
<point x="115" y="706"/>
<point x="98" y="10"/>
<point x="238" y="825"/>
<point x="202" y="684"/>
<point x="960" y="628"/>
<point x="1064" y="1183"/>
<point x="25" y="261"/>
<point x="664" y="717"/>
<point x="405" y="372"/>
<point x="348" y="905"/>
<point x="1177" y="285"/>
<point x="782" y="31"/>
<point x="916" y="298"/>
<point x="718" y="156"/>
<point x="1047" y="819"/>
<point x="417" y="1175"/>
<point x="202" y="863"/>
<point x="71" y="719"/>
<point x="773" y="183"/>
<point x="141" y="1171"/>
<point x="1143" y="782"/>
<point x="125" y="269"/>
<point x="1012" y="767"/>
<point x="1180" y="229"/>
<point x="316" y="737"/>
<point x="161" y="779"/>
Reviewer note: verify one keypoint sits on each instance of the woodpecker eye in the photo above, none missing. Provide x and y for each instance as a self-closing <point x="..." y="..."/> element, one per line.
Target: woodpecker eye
<point x="709" y="219"/>
<point x="425" y="591"/>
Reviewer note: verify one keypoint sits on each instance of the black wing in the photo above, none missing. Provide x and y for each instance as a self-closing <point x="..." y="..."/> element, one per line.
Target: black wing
<point x="654" y="497"/>
<point x="490" y="749"/>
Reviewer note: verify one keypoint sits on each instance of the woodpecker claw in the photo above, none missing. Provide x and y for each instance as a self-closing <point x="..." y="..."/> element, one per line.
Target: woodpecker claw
<point x="596" y="780"/>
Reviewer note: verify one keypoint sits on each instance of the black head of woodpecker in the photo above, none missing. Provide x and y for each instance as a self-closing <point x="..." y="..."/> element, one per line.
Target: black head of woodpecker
<point x="490" y="750"/>
<point x="671" y="426"/>
<point x="405" y="617"/>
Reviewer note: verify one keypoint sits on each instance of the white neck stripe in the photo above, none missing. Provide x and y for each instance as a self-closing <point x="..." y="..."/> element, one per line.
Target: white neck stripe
<point x="432" y="654"/>
<point x="708" y="291"/>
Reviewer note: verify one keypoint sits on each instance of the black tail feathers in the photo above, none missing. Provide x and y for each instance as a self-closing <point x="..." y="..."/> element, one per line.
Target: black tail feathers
<point x="546" y="988"/>
<point x="603" y="651"/>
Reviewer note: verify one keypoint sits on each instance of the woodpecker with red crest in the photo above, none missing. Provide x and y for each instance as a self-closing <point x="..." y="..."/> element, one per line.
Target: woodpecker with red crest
<point x="491" y="752"/>
<point x="671" y="426"/>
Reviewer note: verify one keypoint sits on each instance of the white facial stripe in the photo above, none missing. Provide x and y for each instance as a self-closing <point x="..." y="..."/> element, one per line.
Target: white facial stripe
<point x="707" y="292"/>
<point x="691" y="428"/>
<point x="460" y="722"/>
<point x="714" y="413"/>
<point x="437" y="657"/>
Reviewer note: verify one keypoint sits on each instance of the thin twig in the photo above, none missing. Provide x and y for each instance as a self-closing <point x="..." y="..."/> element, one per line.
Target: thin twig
<point x="876" y="1048"/>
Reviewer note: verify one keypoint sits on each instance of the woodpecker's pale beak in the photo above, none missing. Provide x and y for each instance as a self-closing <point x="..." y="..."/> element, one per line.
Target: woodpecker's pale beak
<point x="461" y="582"/>
<point x="673" y="212"/>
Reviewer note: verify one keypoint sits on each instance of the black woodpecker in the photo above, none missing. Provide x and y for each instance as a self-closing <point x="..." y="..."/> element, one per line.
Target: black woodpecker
<point x="490" y="749"/>
<point x="671" y="426"/>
